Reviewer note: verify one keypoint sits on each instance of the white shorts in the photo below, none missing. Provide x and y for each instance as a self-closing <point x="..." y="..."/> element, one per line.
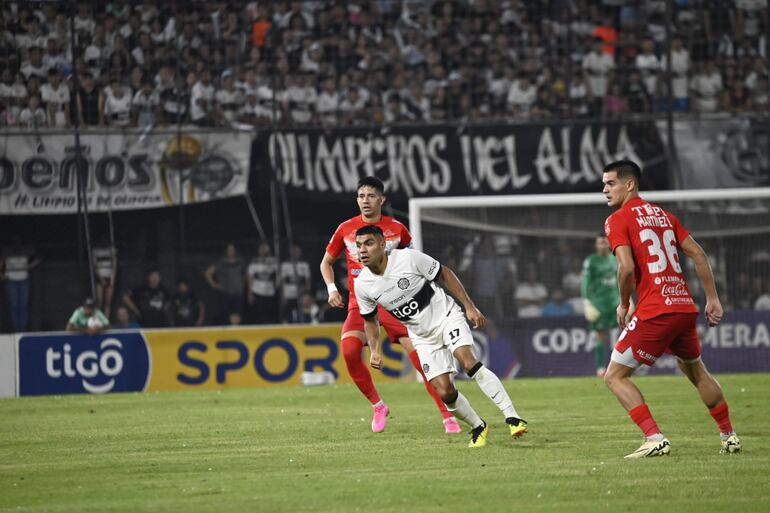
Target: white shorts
<point x="436" y="353"/>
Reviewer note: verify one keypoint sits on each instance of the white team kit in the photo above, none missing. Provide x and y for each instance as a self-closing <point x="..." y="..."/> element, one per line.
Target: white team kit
<point x="406" y="289"/>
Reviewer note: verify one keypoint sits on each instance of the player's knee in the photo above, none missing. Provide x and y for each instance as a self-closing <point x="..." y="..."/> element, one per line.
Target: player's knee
<point x="611" y="379"/>
<point x="446" y="391"/>
<point x="351" y="349"/>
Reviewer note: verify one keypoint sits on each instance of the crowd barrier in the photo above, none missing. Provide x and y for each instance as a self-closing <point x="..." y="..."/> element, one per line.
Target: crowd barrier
<point x="246" y="357"/>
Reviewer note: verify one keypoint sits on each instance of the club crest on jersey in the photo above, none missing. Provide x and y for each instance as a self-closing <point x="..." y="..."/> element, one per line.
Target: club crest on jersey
<point x="403" y="283"/>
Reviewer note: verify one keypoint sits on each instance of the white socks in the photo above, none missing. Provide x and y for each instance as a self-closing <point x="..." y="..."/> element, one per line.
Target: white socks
<point x="462" y="409"/>
<point x="491" y="385"/>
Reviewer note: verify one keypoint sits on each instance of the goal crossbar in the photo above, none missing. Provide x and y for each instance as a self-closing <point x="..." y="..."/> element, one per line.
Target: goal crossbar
<point x="418" y="205"/>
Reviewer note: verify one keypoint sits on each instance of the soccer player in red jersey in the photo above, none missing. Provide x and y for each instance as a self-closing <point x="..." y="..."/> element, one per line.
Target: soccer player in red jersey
<point x="371" y="197"/>
<point x="645" y="239"/>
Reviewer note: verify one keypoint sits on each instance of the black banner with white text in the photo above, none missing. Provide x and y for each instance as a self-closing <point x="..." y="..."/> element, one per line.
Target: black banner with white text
<point x="457" y="160"/>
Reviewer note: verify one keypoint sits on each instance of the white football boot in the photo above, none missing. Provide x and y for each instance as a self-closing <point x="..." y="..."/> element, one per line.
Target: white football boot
<point x="651" y="448"/>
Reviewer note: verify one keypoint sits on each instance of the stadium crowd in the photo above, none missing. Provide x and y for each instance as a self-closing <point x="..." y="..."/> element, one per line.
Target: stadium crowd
<point x="376" y="61"/>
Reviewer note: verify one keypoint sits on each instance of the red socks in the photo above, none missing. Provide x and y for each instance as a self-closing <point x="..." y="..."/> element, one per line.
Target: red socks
<point x="643" y="418"/>
<point x="351" y="350"/>
<point x="721" y="415"/>
<point x="432" y="391"/>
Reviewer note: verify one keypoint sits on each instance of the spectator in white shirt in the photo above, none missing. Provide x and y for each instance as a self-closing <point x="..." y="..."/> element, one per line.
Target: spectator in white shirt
<point x="202" y="111"/>
<point x="521" y="96"/>
<point x="597" y="65"/>
<point x="353" y="106"/>
<point x="302" y="98"/>
<point x="707" y="86"/>
<point x="145" y="105"/>
<point x="649" y="65"/>
<point x="680" y="66"/>
<point x="83" y="20"/>
<point x="530" y="295"/>
<point x="54" y="58"/>
<point x="228" y="99"/>
<point x="328" y="104"/>
<point x="34" y="66"/>
<point x="56" y="96"/>
<point x="33" y="116"/>
<point x="12" y="93"/>
<point x="116" y="104"/>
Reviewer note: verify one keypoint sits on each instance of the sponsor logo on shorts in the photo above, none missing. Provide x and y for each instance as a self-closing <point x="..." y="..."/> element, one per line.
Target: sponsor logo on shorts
<point x="425" y="367"/>
<point x="644" y="355"/>
<point x="403" y="283"/>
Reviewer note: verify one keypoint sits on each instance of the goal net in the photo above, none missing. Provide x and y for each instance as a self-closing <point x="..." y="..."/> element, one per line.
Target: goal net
<point x="517" y="254"/>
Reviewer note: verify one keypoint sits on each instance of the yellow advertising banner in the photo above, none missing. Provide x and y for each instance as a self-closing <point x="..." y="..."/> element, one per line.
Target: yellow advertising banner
<point x="243" y="357"/>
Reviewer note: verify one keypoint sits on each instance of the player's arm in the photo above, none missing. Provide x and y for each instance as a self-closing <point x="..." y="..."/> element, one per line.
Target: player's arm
<point x="327" y="272"/>
<point x="694" y="251"/>
<point x="452" y="284"/>
<point x="372" y="330"/>
<point x="625" y="259"/>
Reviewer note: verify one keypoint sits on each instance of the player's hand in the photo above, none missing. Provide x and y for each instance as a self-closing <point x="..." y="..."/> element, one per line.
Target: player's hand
<point x="590" y="312"/>
<point x="375" y="360"/>
<point x="335" y="300"/>
<point x="622" y="313"/>
<point x="714" y="312"/>
<point x="477" y="318"/>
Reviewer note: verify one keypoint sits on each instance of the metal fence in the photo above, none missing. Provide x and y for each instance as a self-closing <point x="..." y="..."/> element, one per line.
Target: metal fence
<point x="122" y="67"/>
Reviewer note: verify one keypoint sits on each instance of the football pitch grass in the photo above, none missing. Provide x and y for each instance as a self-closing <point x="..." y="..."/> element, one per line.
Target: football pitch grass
<point x="311" y="449"/>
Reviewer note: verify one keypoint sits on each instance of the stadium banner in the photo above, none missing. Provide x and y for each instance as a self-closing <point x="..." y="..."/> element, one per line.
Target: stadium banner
<point x="244" y="357"/>
<point x="122" y="170"/>
<point x="78" y="364"/>
<point x="7" y="366"/>
<point x="189" y="359"/>
<point x="456" y="160"/>
<point x="563" y="346"/>
<point x="721" y="152"/>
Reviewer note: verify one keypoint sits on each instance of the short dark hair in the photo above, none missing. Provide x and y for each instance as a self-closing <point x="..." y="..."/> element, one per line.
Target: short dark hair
<point x="625" y="169"/>
<point x="370" y="229"/>
<point x="371" y="181"/>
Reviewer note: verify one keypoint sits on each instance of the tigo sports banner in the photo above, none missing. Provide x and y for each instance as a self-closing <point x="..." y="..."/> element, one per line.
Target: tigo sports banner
<point x="194" y="359"/>
<point x="457" y="160"/>
<point x="121" y="170"/>
<point x="253" y="357"/>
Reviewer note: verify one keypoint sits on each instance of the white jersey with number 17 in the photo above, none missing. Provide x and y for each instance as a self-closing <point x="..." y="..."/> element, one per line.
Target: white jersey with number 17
<point x="407" y="291"/>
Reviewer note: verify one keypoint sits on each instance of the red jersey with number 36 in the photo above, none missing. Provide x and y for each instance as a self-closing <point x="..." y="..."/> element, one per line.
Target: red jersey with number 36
<point x="654" y="236"/>
<point x="344" y="238"/>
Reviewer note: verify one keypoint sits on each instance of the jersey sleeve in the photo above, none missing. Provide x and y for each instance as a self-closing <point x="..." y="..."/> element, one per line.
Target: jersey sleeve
<point x="616" y="230"/>
<point x="680" y="231"/>
<point x="406" y="239"/>
<point x="366" y="305"/>
<point x="426" y="265"/>
<point x="74" y="317"/>
<point x="336" y="243"/>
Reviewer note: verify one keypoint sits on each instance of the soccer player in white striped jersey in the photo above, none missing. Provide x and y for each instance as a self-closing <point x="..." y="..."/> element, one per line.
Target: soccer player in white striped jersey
<point x="403" y="283"/>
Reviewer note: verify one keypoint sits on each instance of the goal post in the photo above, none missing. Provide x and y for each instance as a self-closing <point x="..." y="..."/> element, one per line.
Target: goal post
<point x="546" y="237"/>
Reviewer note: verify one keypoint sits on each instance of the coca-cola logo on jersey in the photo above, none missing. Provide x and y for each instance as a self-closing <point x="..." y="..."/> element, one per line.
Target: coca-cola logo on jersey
<point x="674" y="290"/>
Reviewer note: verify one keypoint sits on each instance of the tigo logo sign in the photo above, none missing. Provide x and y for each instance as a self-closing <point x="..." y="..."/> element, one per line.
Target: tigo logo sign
<point x="57" y="364"/>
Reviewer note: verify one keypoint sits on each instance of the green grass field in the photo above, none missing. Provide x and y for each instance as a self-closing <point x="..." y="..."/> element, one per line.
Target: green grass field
<point x="292" y="450"/>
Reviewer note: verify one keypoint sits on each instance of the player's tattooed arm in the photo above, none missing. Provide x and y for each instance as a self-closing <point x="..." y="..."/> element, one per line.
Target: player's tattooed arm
<point x="452" y="284"/>
<point x="625" y="259"/>
<point x="372" y="330"/>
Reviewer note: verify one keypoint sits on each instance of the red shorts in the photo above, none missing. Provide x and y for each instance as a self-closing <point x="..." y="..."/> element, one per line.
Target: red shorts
<point x="393" y="327"/>
<point x="673" y="333"/>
